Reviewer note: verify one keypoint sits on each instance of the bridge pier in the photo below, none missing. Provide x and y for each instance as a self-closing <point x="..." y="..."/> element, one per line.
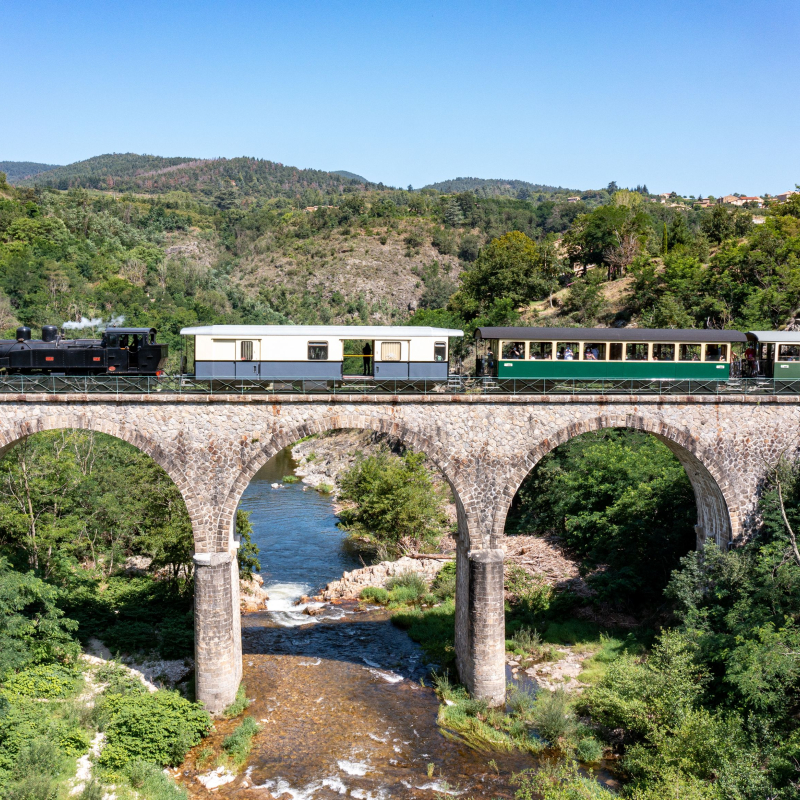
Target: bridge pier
<point x="480" y="623"/>
<point x="217" y="629"/>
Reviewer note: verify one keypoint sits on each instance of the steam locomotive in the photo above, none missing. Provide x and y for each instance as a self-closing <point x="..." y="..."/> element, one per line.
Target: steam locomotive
<point x="125" y="351"/>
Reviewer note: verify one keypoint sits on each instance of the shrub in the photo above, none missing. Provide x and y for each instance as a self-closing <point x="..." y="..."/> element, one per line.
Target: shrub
<point x="444" y="584"/>
<point x="239" y="743"/>
<point x="560" y="781"/>
<point x="158" y="728"/>
<point x="521" y="702"/>
<point x="239" y="704"/>
<point x="45" y="680"/>
<point x="151" y="782"/>
<point x="394" y="501"/>
<point x="553" y="717"/>
<point x="529" y="591"/>
<point x="527" y="640"/>
<point x="375" y="594"/>
<point x="589" y="749"/>
<point x="290" y="479"/>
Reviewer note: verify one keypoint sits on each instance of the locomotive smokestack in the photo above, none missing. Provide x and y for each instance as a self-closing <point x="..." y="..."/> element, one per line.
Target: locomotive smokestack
<point x="23" y="333"/>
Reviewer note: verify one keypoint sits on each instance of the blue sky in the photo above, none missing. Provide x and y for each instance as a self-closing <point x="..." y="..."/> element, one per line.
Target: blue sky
<point x="700" y="97"/>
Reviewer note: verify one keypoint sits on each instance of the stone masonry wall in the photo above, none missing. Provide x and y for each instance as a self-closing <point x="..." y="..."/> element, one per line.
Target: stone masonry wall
<point x="211" y="446"/>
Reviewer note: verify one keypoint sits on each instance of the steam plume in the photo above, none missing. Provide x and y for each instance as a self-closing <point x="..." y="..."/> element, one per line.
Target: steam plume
<point x="95" y="322"/>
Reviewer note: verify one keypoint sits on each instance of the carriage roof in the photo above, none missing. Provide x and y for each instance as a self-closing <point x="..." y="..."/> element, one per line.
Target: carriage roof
<point x="772" y="337"/>
<point x="613" y="334"/>
<point x="339" y="331"/>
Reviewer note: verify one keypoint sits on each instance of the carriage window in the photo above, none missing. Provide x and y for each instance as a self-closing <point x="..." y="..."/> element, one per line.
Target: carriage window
<point x="594" y="351"/>
<point x="716" y="352"/>
<point x="390" y="351"/>
<point x="440" y="351"/>
<point x="689" y="352"/>
<point x="112" y="340"/>
<point x="635" y="351"/>
<point x="513" y="350"/>
<point x="567" y="351"/>
<point x="615" y="351"/>
<point x="123" y="341"/>
<point x="789" y="352"/>
<point x="317" y="351"/>
<point x="246" y="351"/>
<point x="663" y="352"/>
<point x="541" y="351"/>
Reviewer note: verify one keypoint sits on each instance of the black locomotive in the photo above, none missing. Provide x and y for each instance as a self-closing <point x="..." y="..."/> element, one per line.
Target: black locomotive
<point x="120" y="351"/>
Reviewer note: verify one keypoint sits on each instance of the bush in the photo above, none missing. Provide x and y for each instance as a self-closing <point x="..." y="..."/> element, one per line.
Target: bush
<point x="530" y="592"/>
<point x="46" y="680"/>
<point x="412" y="583"/>
<point x="394" y="502"/>
<point x="158" y="728"/>
<point x="561" y="781"/>
<point x="521" y="702"/>
<point x="239" y="743"/>
<point x="151" y="782"/>
<point x="239" y="704"/>
<point x="444" y="584"/>
<point x="375" y="594"/>
<point x="527" y="640"/>
<point x="589" y="750"/>
<point x="553" y="717"/>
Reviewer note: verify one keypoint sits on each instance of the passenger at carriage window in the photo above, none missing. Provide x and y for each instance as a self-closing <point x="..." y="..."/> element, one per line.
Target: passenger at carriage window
<point x="716" y="352"/>
<point x="663" y="352"/>
<point x="514" y="350"/>
<point x="689" y="352"/>
<point x="490" y="361"/>
<point x="568" y="354"/>
<point x="541" y="351"/>
<point x="636" y="351"/>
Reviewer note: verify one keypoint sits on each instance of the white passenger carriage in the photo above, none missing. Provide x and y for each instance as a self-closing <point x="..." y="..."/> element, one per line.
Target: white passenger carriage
<point x="317" y="352"/>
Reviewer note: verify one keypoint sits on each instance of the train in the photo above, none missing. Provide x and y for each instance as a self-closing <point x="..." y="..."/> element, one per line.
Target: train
<point x="119" y="351"/>
<point x="408" y="353"/>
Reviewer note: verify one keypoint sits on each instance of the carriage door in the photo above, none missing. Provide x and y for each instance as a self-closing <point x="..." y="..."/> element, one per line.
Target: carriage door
<point x="248" y="364"/>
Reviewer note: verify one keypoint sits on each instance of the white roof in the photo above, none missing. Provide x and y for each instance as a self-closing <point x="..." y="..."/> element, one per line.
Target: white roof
<point x="342" y="331"/>
<point x="771" y="337"/>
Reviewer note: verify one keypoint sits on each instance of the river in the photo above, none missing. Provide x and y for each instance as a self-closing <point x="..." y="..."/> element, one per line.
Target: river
<point x="340" y="697"/>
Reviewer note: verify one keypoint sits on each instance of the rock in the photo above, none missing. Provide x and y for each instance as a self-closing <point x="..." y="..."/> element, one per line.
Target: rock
<point x="351" y="583"/>
<point x="252" y="595"/>
<point x="313" y="611"/>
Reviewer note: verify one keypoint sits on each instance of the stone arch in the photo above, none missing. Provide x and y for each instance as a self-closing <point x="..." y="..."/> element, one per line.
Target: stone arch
<point x="11" y="435"/>
<point x="392" y="427"/>
<point x="718" y="512"/>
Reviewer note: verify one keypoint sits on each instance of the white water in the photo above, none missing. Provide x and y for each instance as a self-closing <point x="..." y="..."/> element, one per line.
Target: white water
<point x="282" y="604"/>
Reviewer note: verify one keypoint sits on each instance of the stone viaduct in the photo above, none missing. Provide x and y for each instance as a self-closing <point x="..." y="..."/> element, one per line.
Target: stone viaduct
<point x="211" y="446"/>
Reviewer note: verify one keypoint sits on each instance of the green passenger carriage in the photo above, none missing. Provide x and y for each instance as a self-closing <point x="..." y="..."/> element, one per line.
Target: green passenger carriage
<point x="607" y="353"/>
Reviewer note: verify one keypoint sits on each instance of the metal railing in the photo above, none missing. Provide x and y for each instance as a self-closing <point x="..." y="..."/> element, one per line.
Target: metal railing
<point x="454" y="385"/>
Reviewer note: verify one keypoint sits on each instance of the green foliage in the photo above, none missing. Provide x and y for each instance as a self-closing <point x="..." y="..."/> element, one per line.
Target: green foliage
<point x="32" y="628"/>
<point x="511" y="268"/>
<point x="44" y="680"/>
<point x="395" y="501"/>
<point x="239" y="743"/>
<point x="247" y="554"/>
<point x="149" y="780"/>
<point x="444" y="584"/>
<point x="618" y="499"/>
<point x="433" y="629"/>
<point x="375" y="594"/>
<point x="559" y="781"/>
<point x="586" y="301"/>
<point x="239" y="704"/>
<point x="553" y="716"/>
<point x="158" y="728"/>
<point x="531" y="592"/>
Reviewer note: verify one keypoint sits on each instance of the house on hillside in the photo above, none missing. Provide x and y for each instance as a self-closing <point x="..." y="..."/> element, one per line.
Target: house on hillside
<point x="573" y="199"/>
<point x="731" y="200"/>
<point x="707" y="203"/>
<point x="784" y="196"/>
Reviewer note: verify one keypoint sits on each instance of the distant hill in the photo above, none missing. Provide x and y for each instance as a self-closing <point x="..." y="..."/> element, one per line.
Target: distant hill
<point x="352" y="175"/>
<point x="225" y="180"/>
<point x="497" y="187"/>
<point x="19" y="170"/>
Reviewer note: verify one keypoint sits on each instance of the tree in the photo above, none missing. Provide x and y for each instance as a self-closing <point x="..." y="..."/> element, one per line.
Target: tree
<point x="664" y="241"/>
<point x="586" y="299"/>
<point x="395" y="503"/>
<point x="509" y="268"/>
